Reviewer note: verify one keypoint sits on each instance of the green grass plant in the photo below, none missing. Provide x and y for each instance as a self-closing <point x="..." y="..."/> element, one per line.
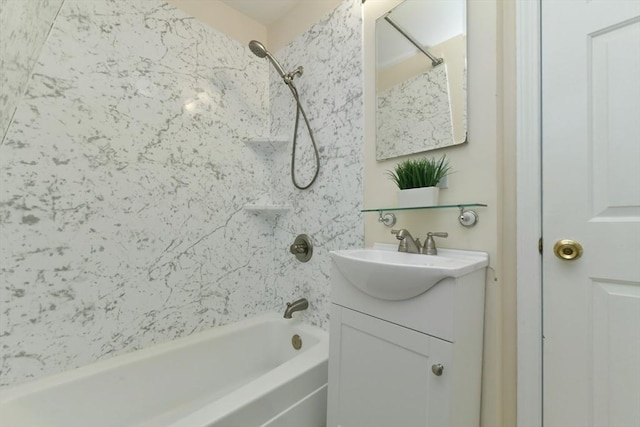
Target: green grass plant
<point x="417" y="173"/>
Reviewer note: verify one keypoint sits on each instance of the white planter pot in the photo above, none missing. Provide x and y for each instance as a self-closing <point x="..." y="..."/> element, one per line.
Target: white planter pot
<point x="417" y="197"/>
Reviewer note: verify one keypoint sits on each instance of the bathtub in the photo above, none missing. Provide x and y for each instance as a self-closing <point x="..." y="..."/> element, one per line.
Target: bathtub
<point x="243" y="374"/>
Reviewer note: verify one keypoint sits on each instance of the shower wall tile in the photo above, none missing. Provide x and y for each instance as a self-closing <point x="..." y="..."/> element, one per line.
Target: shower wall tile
<point x="24" y="26"/>
<point x="124" y="174"/>
<point x="122" y="182"/>
<point x="331" y="93"/>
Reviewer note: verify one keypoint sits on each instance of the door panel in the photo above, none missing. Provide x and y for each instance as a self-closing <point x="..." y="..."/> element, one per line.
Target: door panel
<point x="614" y="121"/>
<point x="591" y="194"/>
<point x="616" y="352"/>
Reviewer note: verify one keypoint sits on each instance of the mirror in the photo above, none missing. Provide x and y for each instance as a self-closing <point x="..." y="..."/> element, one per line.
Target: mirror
<point x="421" y="77"/>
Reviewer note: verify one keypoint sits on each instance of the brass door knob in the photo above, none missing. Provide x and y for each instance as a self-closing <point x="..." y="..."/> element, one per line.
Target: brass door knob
<point x="568" y="250"/>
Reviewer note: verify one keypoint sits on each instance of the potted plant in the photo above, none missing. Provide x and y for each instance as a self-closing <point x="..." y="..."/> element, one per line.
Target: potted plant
<point x="417" y="180"/>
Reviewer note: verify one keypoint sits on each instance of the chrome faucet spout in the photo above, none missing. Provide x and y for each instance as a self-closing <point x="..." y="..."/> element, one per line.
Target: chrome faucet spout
<point x="407" y="242"/>
<point x="292" y="307"/>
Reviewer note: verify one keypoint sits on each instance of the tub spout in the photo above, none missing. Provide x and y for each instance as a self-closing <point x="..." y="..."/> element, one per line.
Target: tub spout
<point x="292" y="307"/>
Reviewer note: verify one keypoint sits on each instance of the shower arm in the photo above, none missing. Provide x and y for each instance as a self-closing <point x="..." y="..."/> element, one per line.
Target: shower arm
<point x="434" y="61"/>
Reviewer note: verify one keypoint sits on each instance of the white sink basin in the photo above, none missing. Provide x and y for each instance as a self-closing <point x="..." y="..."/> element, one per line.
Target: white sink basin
<point x="385" y="273"/>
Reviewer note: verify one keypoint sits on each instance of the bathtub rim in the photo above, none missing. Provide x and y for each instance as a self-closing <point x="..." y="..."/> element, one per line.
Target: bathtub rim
<point x="14" y="392"/>
<point x="292" y="370"/>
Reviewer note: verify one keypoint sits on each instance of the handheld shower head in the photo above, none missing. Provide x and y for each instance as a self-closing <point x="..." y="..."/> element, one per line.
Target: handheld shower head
<point x="260" y="51"/>
<point x="258" y="48"/>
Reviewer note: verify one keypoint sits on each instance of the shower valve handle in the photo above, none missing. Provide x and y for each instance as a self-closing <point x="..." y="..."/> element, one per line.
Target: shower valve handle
<point x="302" y="248"/>
<point x="298" y="249"/>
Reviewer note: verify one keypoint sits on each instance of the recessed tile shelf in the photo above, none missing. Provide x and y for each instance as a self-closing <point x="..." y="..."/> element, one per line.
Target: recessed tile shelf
<point x="266" y="146"/>
<point x="267" y="208"/>
<point x="266" y="143"/>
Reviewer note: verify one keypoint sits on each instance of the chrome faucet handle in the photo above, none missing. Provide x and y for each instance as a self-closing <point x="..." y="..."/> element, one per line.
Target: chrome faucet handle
<point x="429" y="247"/>
<point x="438" y="234"/>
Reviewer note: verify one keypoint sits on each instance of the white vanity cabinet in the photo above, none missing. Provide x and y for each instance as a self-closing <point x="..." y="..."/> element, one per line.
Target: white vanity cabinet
<point x="383" y="375"/>
<point x="406" y="363"/>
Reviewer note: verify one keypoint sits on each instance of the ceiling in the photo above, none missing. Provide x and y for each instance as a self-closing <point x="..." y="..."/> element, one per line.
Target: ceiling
<point x="264" y="11"/>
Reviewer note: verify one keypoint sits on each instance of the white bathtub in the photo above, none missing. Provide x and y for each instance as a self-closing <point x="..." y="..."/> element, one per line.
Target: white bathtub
<point x="243" y="374"/>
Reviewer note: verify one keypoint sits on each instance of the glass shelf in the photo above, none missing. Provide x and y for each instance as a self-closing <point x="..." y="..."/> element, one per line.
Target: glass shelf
<point x="466" y="217"/>
<point x="457" y="206"/>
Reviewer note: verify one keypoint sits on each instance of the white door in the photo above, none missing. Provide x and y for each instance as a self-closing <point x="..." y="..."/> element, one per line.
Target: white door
<point x="591" y="194"/>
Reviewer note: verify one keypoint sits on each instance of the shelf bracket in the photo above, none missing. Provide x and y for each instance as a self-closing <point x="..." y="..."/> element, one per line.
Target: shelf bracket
<point x="387" y="218"/>
<point x="468" y="218"/>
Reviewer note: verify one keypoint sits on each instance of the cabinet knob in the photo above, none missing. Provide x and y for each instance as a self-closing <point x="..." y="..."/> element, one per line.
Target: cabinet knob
<point x="437" y="369"/>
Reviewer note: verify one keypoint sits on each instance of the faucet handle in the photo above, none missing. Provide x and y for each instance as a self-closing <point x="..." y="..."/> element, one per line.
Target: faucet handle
<point x="438" y="234"/>
<point x="429" y="247"/>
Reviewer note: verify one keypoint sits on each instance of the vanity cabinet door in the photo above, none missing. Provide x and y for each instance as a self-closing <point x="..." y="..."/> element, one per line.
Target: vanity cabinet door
<point x="380" y="374"/>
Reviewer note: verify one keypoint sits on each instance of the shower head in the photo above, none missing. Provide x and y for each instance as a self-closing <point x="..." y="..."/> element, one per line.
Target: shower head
<point x="260" y="51"/>
<point x="258" y="48"/>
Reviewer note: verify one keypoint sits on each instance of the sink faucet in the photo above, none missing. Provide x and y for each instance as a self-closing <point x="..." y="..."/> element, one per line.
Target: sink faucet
<point x="407" y="242"/>
<point x="292" y="307"/>
<point x="413" y="246"/>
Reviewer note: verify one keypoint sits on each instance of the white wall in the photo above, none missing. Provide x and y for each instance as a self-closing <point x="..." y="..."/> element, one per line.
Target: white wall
<point x="242" y="28"/>
<point x="223" y="18"/>
<point x="299" y="20"/>
<point x="477" y="177"/>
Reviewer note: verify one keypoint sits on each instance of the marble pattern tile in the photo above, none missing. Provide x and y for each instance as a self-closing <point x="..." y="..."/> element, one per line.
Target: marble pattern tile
<point x="123" y="178"/>
<point x="24" y="26"/>
<point x="331" y="92"/>
<point x="125" y="171"/>
<point x="414" y="116"/>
